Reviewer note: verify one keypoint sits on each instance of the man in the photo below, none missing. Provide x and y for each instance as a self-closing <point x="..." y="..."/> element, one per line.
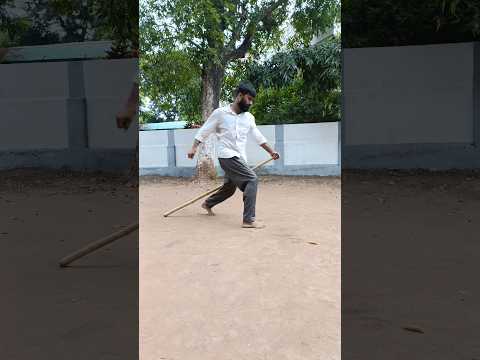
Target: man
<point x="232" y="124"/>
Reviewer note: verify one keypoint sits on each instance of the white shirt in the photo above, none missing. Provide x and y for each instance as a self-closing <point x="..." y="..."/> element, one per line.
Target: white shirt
<point x="231" y="130"/>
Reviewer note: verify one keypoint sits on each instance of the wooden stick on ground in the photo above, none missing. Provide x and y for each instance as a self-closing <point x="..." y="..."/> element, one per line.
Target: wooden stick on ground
<point x="208" y="192"/>
<point x="127" y="230"/>
<point x="97" y="244"/>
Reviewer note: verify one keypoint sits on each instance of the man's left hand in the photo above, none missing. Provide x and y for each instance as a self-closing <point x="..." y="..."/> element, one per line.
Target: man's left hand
<point x="275" y="155"/>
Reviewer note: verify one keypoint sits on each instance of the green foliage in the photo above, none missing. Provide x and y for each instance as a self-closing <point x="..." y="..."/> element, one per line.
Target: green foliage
<point x="11" y="29"/>
<point x="3" y="11"/>
<point x="156" y="114"/>
<point x="236" y="72"/>
<point x="313" y="17"/>
<point x="462" y="13"/>
<point x="292" y="104"/>
<point x="78" y="21"/>
<point x="301" y="85"/>
<point x="211" y="29"/>
<point x="147" y="117"/>
<point x="319" y="65"/>
<point x="118" y="21"/>
<point x="170" y="77"/>
<point x="394" y="23"/>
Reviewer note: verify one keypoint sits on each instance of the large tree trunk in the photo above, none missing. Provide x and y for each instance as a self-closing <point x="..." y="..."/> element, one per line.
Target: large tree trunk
<point x="212" y="80"/>
<point x="3" y="53"/>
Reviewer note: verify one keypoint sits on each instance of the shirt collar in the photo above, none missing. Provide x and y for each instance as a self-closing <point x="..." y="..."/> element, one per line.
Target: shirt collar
<point x="229" y="110"/>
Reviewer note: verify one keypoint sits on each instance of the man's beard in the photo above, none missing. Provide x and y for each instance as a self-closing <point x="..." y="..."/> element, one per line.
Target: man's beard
<point x="243" y="107"/>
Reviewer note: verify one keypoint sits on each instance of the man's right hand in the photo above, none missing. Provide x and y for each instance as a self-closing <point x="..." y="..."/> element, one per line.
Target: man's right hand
<point x="124" y="118"/>
<point x="191" y="153"/>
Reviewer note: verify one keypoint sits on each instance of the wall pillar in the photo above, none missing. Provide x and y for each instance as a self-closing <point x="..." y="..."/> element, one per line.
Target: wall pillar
<point x="171" y="153"/>
<point x="76" y="107"/>
<point x="280" y="146"/>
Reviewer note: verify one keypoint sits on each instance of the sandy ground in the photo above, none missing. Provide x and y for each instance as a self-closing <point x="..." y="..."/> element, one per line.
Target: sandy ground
<point x="211" y="290"/>
<point x="410" y="250"/>
<point x="87" y="311"/>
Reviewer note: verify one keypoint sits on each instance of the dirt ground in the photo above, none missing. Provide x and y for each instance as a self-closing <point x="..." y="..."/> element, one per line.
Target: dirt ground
<point x="212" y="290"/>
<point x="86" y="311"/>
<point x="410" y="270"/>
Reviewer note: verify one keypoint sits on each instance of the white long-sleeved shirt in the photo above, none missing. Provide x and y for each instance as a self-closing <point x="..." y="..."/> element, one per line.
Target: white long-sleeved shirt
<point x="231" y="130"/>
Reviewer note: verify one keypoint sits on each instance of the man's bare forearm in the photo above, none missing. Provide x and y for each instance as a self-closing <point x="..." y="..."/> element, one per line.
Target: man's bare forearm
<point x="125" y="117"/>
<point x="267" y="148"/>
<point x="196" y="143"/>
<point x="192" y="152"/>
<point x="132" y="101"/>
<point x="275" y="155"/>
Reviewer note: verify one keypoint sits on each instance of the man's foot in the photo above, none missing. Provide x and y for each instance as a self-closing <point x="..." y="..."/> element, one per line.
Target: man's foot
<point x="252" y="225"/>
<point x="209" y="210"/>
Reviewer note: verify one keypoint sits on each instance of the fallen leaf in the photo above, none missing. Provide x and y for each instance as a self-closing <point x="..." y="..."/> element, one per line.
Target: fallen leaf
<point x="414" y="328"/>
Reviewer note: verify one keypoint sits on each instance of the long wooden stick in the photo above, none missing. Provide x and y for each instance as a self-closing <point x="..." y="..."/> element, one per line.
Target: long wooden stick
<point x="209" y="192"/>
<point x="97" y="244"/>
<point x="132" y="227"/>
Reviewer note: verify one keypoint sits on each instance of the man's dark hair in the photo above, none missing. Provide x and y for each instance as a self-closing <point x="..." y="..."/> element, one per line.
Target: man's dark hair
<point x="246" y="88"/>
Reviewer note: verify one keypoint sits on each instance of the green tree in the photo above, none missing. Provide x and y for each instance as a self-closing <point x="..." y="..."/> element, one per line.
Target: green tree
<point x="213" y="33"/>
<point x="208" y="37"/>
<point x="170" y="78"/>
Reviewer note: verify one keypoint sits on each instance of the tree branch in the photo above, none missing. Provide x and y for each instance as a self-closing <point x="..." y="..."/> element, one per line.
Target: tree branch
<point x="263" y="15"/>
<point x="236" y="32"/>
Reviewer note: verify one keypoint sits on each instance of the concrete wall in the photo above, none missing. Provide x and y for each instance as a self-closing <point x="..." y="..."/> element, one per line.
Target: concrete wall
<point x="104" y="98"/>
<point x="157" y="144"/>
<point x="411" y="106"/>
<point x="305" y="149"/>
<point x="58" y="52"/>
<point x="33" y="108"/>
<point x="61" y="114"/>
<point x="307" y="144"/>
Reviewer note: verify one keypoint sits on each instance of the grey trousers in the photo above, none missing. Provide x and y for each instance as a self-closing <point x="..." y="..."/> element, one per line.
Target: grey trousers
<point x="237" y="174"/>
